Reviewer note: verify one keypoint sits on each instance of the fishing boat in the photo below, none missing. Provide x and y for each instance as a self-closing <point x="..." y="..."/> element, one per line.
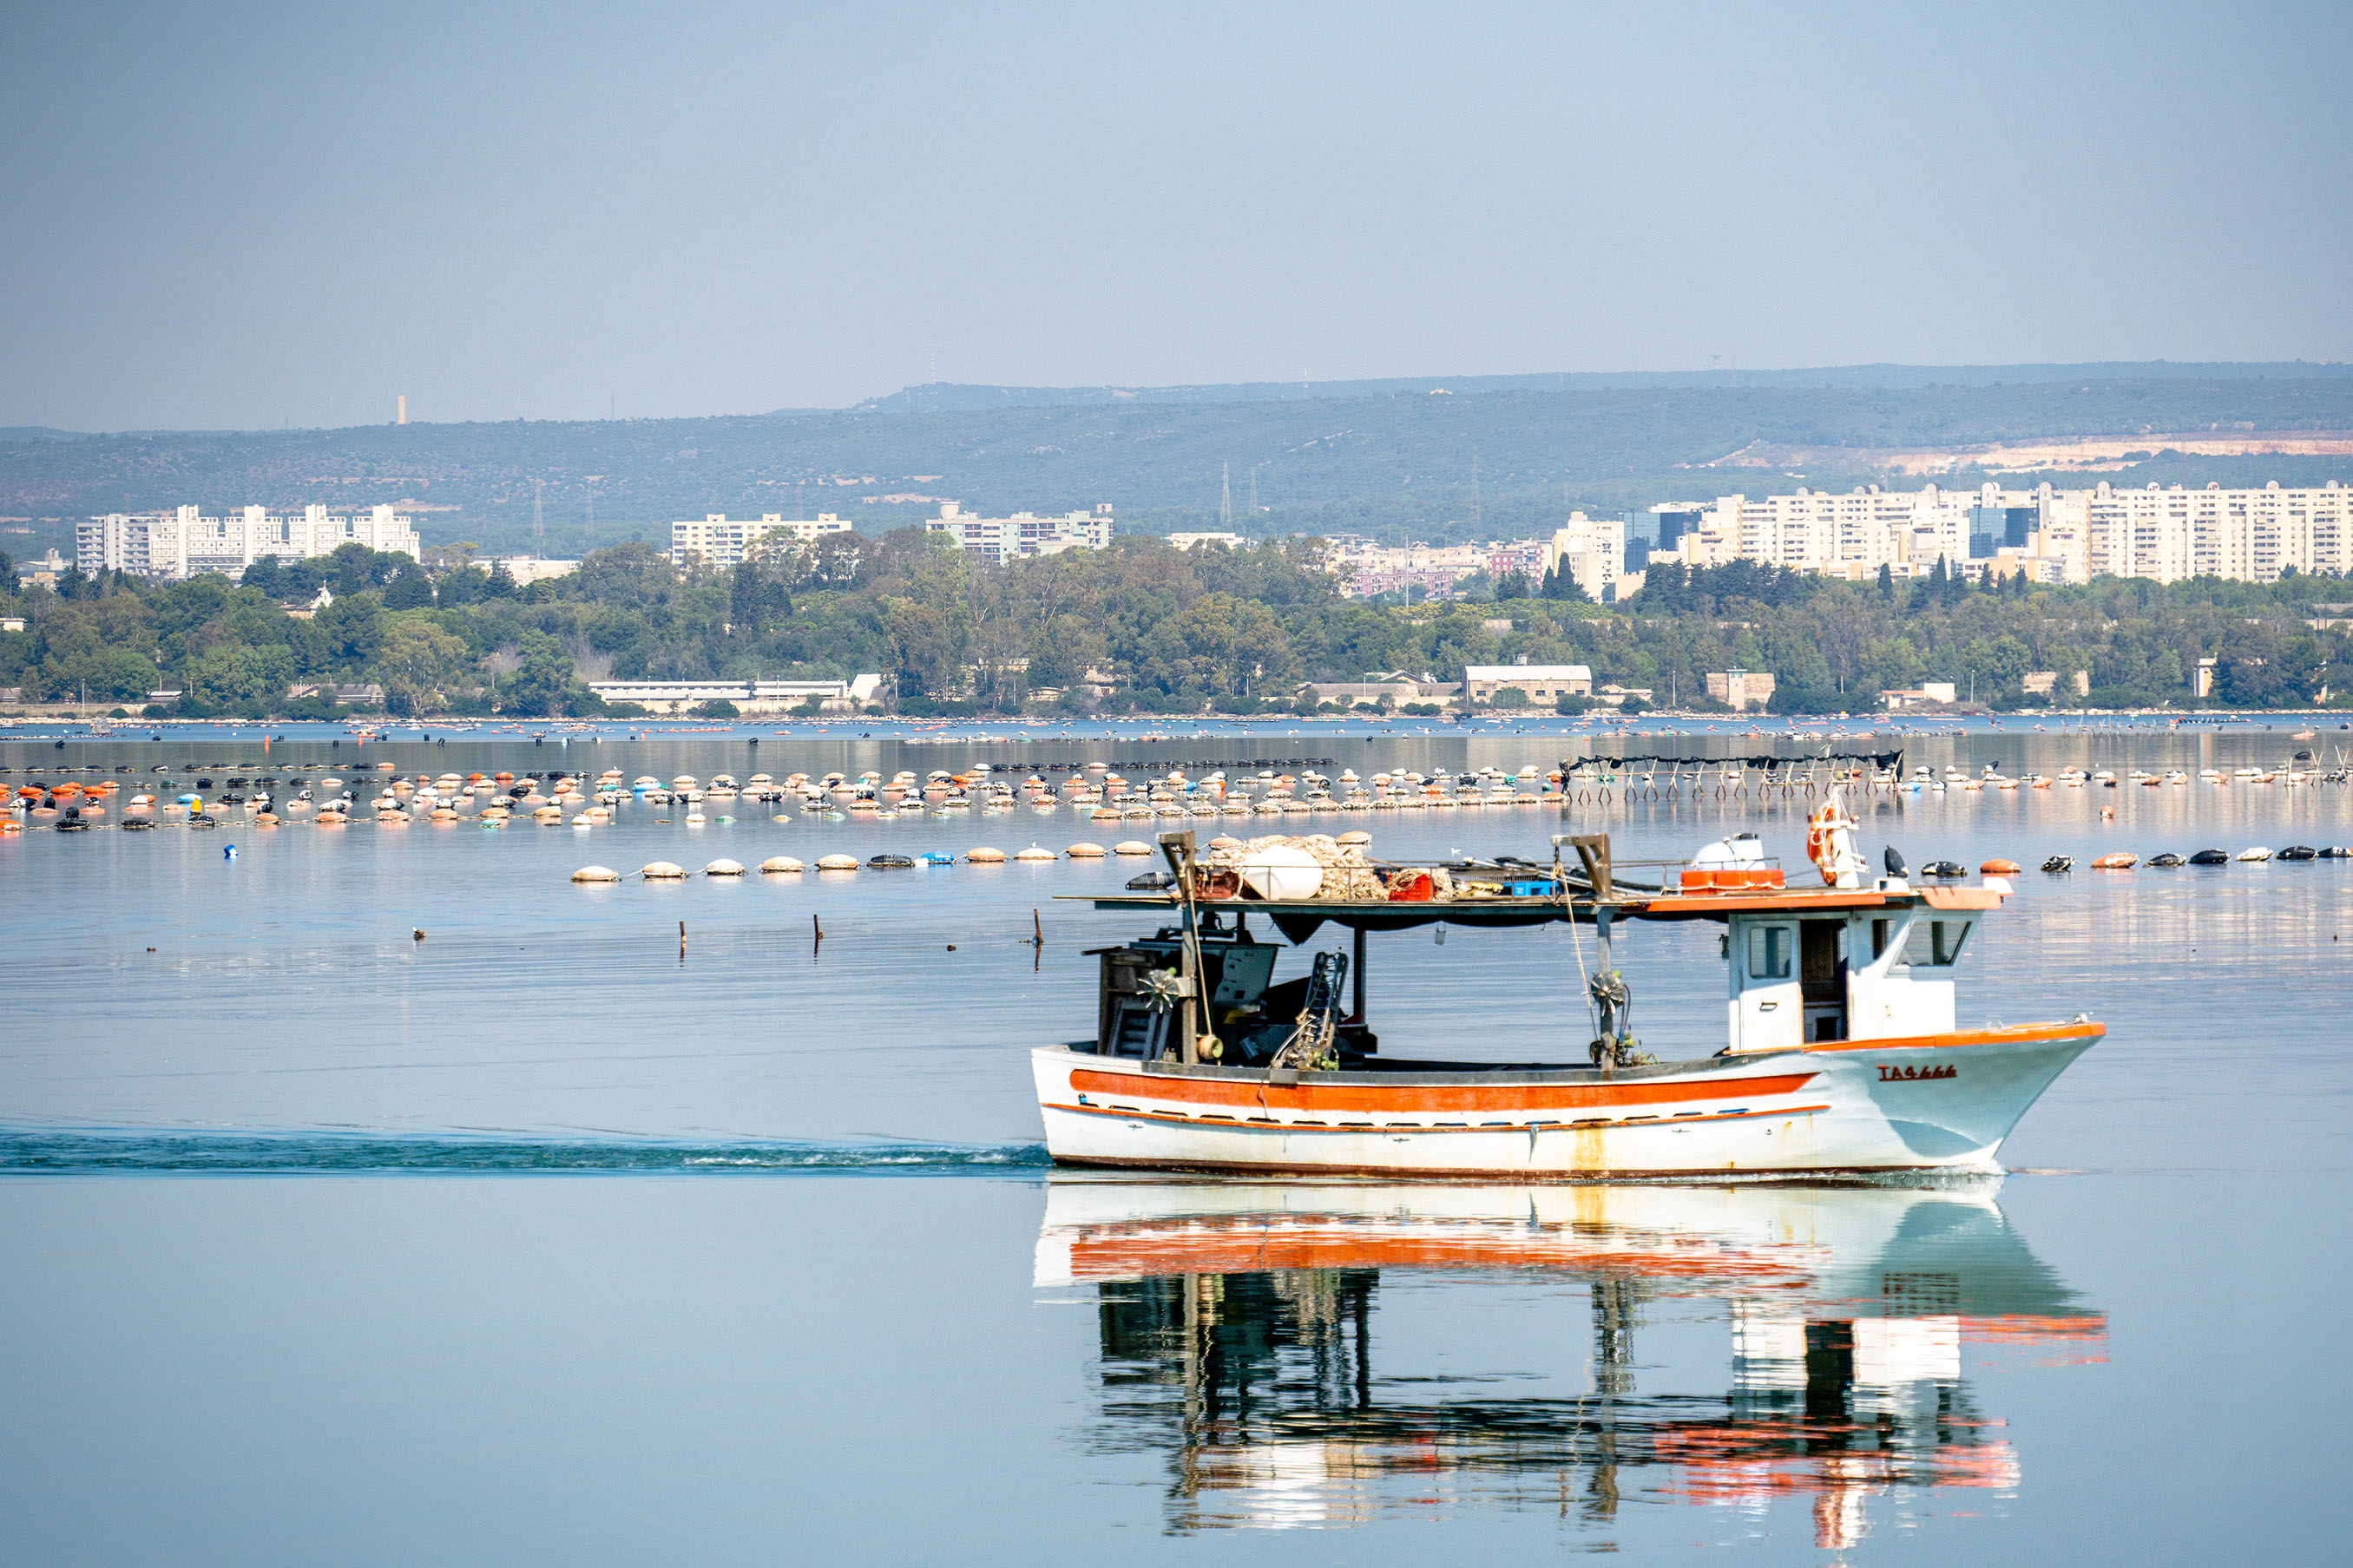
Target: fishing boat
<point x="1842" y="1054"/>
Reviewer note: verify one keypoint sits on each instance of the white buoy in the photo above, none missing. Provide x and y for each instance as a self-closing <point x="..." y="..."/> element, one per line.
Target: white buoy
<point x="724" y="868"/>
<point x="838" y="863"/>
<point x="1354" y="838"/>
<point x="1282" y="872"/>
<point x="986" y="856"/>
<point x="780" y="862"/>
<point x="1034" y="853"/>
<point x="1086" y="851"/>
<point x="662" y="872"/>
<point x="1131" y="846"/>
<point x="595" y="874"/>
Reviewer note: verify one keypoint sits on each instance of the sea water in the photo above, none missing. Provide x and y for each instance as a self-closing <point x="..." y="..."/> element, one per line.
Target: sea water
<point x="552" y="1236"/>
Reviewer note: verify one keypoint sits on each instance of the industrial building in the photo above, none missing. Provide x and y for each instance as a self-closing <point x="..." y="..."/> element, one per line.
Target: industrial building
<point x="1545" y="684"/>
<point x="1740" y="689"/>
<point x="672" y="697"/>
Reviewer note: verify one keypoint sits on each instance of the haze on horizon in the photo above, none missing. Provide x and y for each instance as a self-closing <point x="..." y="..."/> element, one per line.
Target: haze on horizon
<point x="254" y="214"/>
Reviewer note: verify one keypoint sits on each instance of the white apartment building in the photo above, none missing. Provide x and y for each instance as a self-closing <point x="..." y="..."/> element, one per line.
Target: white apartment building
<point x="2072" y="536"/>
<point x="2249" y="535"/>
<point x="1814" y="531"/>
<point x="722" y="540"/>
<point x="1592" y="550"/>
<point x="1024" y="534"/>
<point x="185" y="542"/>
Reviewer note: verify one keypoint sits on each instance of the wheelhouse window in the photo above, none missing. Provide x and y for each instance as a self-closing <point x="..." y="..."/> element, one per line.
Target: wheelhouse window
<point x="1937" y="944"/>
<point x="1768" y="951"/>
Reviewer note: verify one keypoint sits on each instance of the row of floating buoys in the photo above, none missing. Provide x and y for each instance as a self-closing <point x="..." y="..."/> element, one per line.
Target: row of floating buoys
<point x="2124" y="860"/>
<point x="785" y="864"/>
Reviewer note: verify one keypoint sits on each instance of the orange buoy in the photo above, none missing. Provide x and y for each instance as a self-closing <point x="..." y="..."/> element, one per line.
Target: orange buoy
<point x="2000" y="869"/>
<point x="2118" y="861"/>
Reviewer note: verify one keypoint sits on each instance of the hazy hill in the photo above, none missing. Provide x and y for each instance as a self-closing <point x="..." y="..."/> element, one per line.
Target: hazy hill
<point x="950" y="397"/>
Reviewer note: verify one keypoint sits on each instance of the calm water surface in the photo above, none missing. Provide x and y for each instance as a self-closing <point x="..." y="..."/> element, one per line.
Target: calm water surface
<point x="803" y="1288"/>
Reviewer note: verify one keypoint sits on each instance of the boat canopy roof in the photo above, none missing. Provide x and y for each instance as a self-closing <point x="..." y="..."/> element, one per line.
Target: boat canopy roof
<point x="1299" y="918"/>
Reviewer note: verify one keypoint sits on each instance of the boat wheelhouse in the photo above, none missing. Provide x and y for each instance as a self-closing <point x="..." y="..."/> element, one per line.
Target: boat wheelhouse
<point x="1842" y="1051"/>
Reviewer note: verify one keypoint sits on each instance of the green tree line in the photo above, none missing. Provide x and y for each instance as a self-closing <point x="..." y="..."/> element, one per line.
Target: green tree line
<point x="1140" y="627"/>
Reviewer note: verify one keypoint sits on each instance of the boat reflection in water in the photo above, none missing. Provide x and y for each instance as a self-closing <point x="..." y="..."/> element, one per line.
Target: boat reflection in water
<point x="1320" y="1355"/>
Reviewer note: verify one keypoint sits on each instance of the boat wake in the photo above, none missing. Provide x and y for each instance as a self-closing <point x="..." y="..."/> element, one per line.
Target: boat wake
<point x="97" y="1151"/>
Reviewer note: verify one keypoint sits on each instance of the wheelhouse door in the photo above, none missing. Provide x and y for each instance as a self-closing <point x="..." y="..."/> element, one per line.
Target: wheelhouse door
<point x="1768" y="1006"/>
<point x="1821" y="977"/>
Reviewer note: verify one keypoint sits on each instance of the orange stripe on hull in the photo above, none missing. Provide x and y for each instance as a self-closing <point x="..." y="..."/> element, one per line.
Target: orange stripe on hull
<point x="1236" y="1252"/>
<point x="2025" y="1034"/>
<point x="1426" y="1099"/>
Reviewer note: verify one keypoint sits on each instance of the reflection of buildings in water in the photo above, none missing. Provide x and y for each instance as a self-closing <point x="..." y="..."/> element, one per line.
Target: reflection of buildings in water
<point x="1238" y="1329"/>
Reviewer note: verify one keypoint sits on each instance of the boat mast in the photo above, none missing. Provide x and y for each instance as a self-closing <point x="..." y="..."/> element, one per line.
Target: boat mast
<point x="1357" y="999"/>
<point x="1607" y="988"/>
<point x="1179" y="849"/>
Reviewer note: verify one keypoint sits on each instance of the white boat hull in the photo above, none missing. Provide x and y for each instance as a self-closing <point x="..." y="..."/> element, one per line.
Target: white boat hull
<point x="1942" y="1103"/>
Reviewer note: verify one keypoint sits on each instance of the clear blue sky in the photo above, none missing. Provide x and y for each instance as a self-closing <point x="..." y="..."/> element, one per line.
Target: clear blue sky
<point x="242" y="215"/>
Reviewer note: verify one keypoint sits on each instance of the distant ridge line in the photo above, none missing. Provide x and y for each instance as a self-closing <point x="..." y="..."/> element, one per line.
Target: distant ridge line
<point x="956" y="398"/>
